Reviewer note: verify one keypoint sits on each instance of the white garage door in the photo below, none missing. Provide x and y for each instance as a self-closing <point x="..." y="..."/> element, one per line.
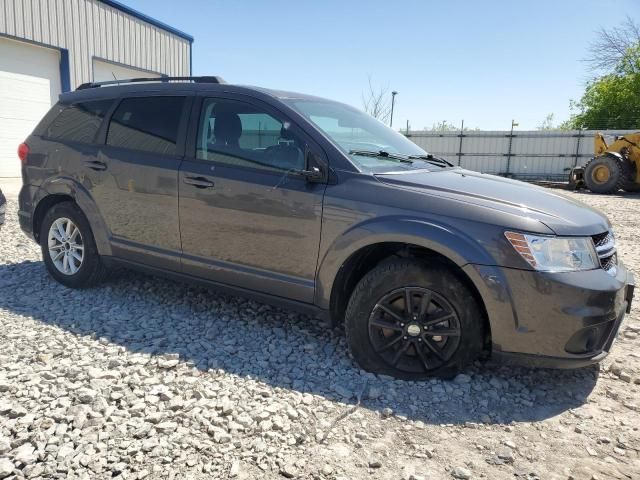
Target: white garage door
<point x="29" y="85"/>
<point x="105" y="71"/>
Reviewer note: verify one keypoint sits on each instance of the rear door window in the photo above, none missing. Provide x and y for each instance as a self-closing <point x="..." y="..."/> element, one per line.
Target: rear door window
<point x="149" y="124"/>
<point x="79" y="122"/>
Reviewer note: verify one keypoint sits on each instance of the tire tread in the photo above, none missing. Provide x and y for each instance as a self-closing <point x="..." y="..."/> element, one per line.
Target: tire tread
<point x="395" y="266"/>
<point x="97" y="270"/>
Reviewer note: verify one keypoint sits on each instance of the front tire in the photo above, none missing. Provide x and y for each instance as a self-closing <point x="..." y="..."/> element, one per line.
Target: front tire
<point x="438" y="335"/>
<point x="68" y="247"/>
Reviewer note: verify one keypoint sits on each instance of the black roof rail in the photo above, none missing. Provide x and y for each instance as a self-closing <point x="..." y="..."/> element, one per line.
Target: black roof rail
<point x="205" y="79"/>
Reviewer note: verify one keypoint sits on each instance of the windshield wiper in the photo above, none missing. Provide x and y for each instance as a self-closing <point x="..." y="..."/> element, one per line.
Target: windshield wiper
<point x="431" y="159"/>
<point x="382" y="154"/>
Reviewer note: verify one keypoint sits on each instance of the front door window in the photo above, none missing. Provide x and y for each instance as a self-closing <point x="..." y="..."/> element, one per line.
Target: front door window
<point x="241" y="134"/>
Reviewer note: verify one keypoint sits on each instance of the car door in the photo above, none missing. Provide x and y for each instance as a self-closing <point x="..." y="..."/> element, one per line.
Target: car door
<point x="247" y="217"/>
<point x="135" y="178"/>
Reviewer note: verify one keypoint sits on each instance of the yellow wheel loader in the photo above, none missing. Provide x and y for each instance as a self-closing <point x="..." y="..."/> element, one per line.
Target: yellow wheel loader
<point x="614" y="167"/>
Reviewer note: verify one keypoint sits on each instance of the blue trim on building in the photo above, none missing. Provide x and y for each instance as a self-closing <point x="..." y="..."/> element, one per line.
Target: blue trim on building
<point x="65" y="74"/>
<point x="145" y="18"/>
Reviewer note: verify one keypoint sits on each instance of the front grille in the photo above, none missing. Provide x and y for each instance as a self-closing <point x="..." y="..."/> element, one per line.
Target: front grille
<point x="605" y="244"/>
<point x="602" y="238"/>
<point x="609" y="262"/>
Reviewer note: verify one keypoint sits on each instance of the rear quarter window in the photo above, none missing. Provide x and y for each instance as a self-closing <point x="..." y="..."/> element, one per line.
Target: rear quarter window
<point x="78" y="122"/>
<point x="149" y="124"/>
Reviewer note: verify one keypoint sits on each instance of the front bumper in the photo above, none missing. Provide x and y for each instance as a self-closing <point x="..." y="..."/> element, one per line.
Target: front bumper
<point x="553" y="320"/>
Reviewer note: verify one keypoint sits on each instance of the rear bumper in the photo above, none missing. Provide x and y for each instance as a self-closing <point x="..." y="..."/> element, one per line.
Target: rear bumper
<point x="26" y="208"/>
<point x="554" y="320"/>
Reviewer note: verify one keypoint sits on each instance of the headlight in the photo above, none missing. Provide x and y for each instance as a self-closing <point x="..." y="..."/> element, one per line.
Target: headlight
<point x="555" y="254"/>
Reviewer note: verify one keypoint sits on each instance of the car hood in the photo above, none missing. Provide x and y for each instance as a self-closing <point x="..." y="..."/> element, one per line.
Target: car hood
<point x="559" y="213"/>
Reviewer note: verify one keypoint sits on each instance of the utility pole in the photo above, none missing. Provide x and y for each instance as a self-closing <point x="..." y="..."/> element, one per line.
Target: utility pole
<point x="460" y="145"/>
<point x="513" y="124"/>
<point x="393" y="101"/>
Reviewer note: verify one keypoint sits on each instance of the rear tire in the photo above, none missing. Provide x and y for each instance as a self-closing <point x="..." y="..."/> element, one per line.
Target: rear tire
<point x="604" y="174"/>
<point x="69" y="248"/>
<point x="380" y="331"/>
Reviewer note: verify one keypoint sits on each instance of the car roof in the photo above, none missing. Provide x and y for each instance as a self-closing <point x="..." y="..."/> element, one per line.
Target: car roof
<point x="154" y="88"/>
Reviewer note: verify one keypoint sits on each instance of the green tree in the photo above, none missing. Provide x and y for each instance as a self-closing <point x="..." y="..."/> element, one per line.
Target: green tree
<point x="613" y="100"/>
<point x="443" y="126"/>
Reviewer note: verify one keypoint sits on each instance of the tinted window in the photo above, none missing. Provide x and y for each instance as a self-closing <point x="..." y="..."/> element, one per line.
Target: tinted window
<point x="242" y="134"/>
<point x="149" y="124"/>
<point x="79" y="122"/>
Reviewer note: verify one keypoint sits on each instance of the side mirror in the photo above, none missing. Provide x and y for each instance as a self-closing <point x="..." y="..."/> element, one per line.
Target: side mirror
<point x="315" y="169"/>
<point x="314" y="175"/>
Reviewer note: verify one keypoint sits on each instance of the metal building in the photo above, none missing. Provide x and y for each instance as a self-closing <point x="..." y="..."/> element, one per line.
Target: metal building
<point x="52" y="46"/>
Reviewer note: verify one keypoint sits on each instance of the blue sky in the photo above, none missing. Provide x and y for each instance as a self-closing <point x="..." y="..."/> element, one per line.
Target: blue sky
<point x="482" y="61"/>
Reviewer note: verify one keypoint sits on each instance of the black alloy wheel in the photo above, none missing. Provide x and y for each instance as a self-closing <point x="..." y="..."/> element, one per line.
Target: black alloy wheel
<point x="413" y="319"/>
<point x="414" y="329"/>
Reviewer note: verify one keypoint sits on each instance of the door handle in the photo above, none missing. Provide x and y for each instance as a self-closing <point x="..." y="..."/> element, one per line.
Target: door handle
<point x="95" y="165"/>
<point x="198" y="182"/>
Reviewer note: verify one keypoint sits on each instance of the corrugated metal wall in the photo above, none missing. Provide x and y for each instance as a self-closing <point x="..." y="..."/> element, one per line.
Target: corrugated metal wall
<point x="88" y="29"/>
<point x="529" y="155"/>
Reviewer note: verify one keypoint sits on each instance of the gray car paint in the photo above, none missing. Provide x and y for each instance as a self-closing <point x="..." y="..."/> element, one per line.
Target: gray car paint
<point x="460" y="214"/>
<point x="3" y="206"/>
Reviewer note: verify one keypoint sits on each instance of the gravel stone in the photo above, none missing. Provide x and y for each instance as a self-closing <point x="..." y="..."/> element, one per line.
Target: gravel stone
<point x="6" y="468"/>
<point x="142" y="377"/>
<point x="25" y="454"/>
<point x="461" y="473"/>
<point x="5" y="445"/>
<point x="165" y="427"/>
<point x="86" y="395"/>
<point x="288" y="470"/>
<point x="462" y="378"/>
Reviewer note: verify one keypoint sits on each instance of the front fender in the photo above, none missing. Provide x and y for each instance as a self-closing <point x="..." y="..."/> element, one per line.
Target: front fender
<point x="449" y="241"/>
<point x="69" y="186"/>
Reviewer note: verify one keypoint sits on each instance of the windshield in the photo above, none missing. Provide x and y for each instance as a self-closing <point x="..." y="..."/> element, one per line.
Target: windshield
<point x="370" y="144"/>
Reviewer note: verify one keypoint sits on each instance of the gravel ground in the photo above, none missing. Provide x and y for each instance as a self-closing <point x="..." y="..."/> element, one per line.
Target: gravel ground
<point x="148" y="378"/>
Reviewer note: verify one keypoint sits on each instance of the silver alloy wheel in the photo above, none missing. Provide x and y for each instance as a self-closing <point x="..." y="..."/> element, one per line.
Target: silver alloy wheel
<point x="66" y="248"/>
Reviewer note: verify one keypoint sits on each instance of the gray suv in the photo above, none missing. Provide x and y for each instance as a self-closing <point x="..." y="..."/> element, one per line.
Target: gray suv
<point x="316" y="206"/>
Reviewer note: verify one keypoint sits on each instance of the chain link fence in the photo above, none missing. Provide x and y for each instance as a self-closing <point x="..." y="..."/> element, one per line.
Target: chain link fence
<point x="526" y="155"/>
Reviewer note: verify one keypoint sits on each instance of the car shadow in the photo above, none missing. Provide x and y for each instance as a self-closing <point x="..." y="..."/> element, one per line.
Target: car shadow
<point x="280" y="348"/>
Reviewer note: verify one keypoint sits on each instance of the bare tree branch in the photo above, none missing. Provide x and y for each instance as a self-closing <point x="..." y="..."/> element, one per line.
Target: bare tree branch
<point x="610" y="48"/>
<point x="376" y="102"/>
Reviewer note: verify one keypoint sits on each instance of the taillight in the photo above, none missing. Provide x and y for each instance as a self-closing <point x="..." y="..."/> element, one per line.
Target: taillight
<point x="23" y="152"/>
